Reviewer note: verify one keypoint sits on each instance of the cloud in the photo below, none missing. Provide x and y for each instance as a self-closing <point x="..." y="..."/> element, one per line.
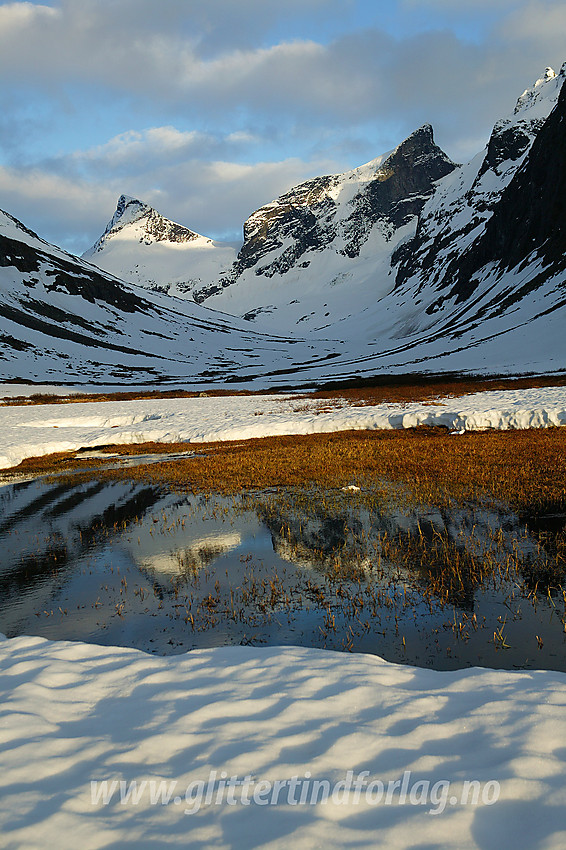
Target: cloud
<point x="16" y="18"/>
<point x="211" y="197"/>
<point x="139" y="45"/>
<point x="136" y="152"/>
<point x="131" y="148"/>
<point x="133" y="50"/>
<point x="154" y="53"/>
<point x="460" y="6"/>
<point x="218" y="195"/>
<point x="209" y="109"/>
<point x="61" y="210"/>
<point x="539" y="23"/>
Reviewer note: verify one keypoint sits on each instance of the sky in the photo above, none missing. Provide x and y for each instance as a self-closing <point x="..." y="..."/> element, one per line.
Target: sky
<point x="208" y="109"/>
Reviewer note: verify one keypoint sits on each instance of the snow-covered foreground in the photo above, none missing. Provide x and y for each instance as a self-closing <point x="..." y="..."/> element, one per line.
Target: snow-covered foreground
<point x="31" y="431"/>
<point x="291" y="723"/>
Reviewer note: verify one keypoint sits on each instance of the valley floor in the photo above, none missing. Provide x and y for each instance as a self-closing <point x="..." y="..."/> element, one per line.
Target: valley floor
<point x="37" y="430"/>
<point x="288" y="746"/>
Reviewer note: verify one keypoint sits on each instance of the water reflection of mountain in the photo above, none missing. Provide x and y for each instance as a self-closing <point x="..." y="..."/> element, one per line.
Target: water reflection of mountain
<point x="65" y="543"/>
<point x="190" y="558"/>
<point x="47" y="527"/>
<point x="409" y="545"/>
<point x="123" y="563"/>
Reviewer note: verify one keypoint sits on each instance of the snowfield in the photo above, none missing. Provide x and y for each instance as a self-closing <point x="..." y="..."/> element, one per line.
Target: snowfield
<point x="161" y="247"/>
<point x="31" y="431"/>
<point x="390" y="748"/>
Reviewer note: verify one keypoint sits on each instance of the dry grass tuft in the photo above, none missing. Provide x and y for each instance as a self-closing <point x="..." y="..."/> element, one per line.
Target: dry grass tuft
<point x="412" y="389"/>
<point x="525" y="469"/>
<point x="129" y="395"/>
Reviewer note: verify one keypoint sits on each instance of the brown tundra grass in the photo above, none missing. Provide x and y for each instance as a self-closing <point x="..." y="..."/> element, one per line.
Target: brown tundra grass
<point x="391" y="391"/>
<point x="524" y="469"/>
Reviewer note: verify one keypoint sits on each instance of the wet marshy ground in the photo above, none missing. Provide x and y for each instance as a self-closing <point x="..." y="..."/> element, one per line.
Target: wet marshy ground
<point x="129" y="563"/>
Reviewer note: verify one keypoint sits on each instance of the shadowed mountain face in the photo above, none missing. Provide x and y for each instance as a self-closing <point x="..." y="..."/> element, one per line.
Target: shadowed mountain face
<point x="530" y="218"/>
<point x="521" y="242"/>
<point x="65" y="275"/>
<point x="459" y="215"/>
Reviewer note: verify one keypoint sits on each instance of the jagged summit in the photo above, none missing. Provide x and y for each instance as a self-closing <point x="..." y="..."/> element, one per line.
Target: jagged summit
<point x="420" y="143"/>
<point x="545" y="86"/>
<point x="127" y="210"/>
<point x="141" y="246"/>
<point x="145" y="224"/>
<point x="423" y="136"/>
<point x="329" y="221"/>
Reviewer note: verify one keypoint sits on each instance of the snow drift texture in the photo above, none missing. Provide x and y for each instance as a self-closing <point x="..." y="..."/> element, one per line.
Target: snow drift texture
<point x="75" y="713"/>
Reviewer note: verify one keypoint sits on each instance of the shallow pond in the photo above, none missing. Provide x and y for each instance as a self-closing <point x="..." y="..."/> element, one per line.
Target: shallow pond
<point x="125" y="563"/>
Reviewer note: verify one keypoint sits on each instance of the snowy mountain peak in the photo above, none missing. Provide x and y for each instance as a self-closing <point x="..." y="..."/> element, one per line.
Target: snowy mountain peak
<point x="140" y="246"/>
<point x="423" y="136"/>
<point x="425" y="133"/>
<point x="143" y="223"/>
<point x="128" y="210"/>
<point x="326" y="223"/>
<point x="485" y="223"/>
<point x="545" y="87"/>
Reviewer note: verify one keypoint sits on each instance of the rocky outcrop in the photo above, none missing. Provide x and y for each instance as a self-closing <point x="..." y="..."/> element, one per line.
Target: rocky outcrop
<point x="459" y="213"/>
<point x="400" y="189"/>
<point x="339" y="212"/>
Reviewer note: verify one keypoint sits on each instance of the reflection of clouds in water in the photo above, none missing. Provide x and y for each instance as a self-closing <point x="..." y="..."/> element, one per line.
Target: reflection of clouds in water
<point x="195" y="556"/>
<point x="129" y="564"/>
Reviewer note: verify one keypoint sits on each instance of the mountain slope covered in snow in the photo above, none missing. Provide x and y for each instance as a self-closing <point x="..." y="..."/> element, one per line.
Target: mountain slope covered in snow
<point x="141" y="246"/>
<point x="362" y="255"/>
<point x="62" y="320"/>
<point x="408" y="264"/>
<point x="459" y="213"/>
<point x="326" y="227"/>
<point x="384" y="246"/>
<point x="478" y="283"/>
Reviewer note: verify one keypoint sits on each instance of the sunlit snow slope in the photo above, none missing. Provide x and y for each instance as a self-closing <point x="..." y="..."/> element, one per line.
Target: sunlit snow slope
<point x="141" y="246"/>
<point x="64" y="321"/>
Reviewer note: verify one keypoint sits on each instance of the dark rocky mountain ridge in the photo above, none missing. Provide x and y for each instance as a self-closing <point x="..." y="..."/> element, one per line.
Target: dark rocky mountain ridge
<point x="393" y="190"/>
